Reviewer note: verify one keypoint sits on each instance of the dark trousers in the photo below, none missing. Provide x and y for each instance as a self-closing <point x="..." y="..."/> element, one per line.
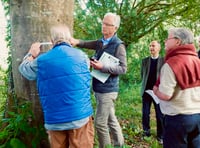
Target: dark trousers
<point x="147" y="100"/>
<point x="182" y="131"/>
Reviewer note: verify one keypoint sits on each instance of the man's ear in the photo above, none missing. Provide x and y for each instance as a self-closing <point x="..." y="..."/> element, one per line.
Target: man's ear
<point x="116" y="28"/>
<point x="178" y="41"/>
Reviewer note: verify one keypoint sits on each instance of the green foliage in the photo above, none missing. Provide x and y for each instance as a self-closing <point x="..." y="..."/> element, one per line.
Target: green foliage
<point x="138" y="18"/>
<point x="18" y="125"/>
<point x="6" y="6"/>
<point x="16" y="143"/>
<point x="17" y="122"/>
<point x="3" y="88"/>
<point x="141" y="22"/>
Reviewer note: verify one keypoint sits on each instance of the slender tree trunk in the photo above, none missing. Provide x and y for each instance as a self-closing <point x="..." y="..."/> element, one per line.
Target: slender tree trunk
<point x="30" y="22"/>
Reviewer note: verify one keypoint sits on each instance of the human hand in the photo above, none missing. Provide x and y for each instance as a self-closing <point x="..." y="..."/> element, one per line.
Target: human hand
<point x="35" y="49"/>
<point x="155" y="89"/>
<point x="96" y="64"/>
<point x="73" y="41"/>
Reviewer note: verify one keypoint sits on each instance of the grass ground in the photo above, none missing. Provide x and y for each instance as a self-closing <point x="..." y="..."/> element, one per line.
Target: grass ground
<point x="128" y="111"/>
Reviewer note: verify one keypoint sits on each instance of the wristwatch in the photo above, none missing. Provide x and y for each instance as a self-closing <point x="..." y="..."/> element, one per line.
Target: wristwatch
<point x="30" y="55"/>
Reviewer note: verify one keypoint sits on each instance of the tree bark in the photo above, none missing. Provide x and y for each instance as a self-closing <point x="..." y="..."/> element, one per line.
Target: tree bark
<point x="30" y="22"/>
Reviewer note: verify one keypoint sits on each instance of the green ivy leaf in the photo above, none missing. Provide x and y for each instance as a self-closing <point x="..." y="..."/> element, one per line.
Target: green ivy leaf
<point x="16" y="143"/>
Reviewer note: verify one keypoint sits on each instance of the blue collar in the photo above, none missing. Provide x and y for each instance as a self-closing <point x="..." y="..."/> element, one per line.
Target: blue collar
<point x="62" y="43"/>
<point x="106" y="41"/>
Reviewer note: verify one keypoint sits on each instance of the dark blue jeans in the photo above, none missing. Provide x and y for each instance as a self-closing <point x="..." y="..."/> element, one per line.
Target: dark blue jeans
<point x="147" y="100"/>
<point x="182" y="131"/>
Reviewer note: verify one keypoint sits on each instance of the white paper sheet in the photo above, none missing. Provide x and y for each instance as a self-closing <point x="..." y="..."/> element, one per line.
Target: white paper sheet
<point x="155" y="98"/>
<point x="106" y="59"/>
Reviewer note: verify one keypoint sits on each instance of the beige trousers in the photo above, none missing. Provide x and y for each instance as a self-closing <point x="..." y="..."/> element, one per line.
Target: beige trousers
<point x="76" y="138"/>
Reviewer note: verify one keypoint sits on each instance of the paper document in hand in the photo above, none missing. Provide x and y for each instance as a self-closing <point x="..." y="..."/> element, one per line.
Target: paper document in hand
<point x="155" y="98"/>
<point x="107" y="60"/>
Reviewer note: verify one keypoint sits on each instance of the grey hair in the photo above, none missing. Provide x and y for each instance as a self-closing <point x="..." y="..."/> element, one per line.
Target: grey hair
<point x="185" y="35"/>
<point x="60" y="33"/>
<point x="115" y="17"/>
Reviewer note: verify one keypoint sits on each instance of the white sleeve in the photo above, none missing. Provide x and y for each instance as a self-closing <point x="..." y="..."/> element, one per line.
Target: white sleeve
<point x="167" y="80"/>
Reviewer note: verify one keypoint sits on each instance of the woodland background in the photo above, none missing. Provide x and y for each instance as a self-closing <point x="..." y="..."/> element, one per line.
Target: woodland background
<point x="141" y="22"/>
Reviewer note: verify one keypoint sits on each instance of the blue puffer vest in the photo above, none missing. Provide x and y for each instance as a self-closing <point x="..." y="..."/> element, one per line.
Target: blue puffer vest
<point x="64" y="84"/>
<point x="112" y="84"/>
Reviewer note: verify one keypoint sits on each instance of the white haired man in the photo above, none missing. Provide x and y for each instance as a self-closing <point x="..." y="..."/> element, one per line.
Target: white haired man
<point x="106" y="122"/>
<point x="179" y="91"/>
<point x="64" y="90"/>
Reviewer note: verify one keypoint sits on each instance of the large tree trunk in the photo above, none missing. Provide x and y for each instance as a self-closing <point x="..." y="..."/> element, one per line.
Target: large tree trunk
<point x="30" y="22"/>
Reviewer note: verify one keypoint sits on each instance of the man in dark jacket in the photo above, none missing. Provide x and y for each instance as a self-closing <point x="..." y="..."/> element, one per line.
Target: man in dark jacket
<point x="106" y="92"/>
<point x="64" y="90"/>
<point x="150" y="70"/>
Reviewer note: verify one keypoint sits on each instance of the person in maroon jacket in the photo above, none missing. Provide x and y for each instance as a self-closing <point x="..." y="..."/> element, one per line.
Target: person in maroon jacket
<point x="199" y="47"/>
<point x="179" y="91"/>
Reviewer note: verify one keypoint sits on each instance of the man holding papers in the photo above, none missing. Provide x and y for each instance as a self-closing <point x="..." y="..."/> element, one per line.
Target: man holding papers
<point x="106" y="91"/>
<point x="150" y="70"/>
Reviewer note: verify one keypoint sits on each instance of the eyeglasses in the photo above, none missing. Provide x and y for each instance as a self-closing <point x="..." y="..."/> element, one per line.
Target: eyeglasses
<point x="106" y="24"/>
